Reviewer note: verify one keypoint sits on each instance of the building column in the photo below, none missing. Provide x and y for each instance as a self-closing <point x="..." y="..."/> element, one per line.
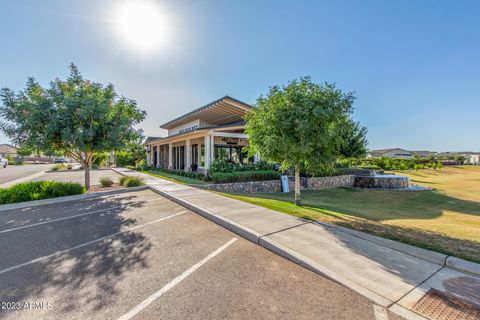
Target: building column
<point x="199" y="153"/>
<point x="188" y="155"/>
<point x="207" y="153"/>
<point x="150" y="156"/>
<point x="162" y="155"/>
<point x="158" y="156"/>
<point x="170" y="156"/>
<point x="212" y="148"/>
<point x="256" y="157"/>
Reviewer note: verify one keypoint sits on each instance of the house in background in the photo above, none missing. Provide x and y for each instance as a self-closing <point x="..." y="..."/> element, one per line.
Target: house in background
<point x="474" y="159"/>
<point x="425" y="154"/>
<point x="195" y="139"/>
<point x="391" y="153"/>
<point x="7" y="150"/>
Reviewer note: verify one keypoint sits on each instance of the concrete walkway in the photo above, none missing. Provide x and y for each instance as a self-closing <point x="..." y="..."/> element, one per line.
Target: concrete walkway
<point x="392" y="274"/>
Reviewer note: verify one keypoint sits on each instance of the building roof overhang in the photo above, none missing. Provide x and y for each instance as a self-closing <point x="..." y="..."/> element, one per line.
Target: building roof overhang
<point x="196" y="133"/>
<point x="218" y="112"/>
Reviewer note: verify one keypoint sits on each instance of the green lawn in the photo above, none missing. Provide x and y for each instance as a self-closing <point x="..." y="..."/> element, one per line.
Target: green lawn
<point x="174" y="177"/>
<point x="446" y="220"/>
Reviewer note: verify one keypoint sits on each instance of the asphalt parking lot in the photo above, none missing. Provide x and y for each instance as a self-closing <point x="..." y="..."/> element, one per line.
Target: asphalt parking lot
<point x="140" y="256"/>
<point x="11" y="173"/>
<point x="78" y="176"/>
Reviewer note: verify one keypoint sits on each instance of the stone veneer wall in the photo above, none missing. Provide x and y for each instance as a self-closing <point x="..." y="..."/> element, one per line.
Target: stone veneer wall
<point x="383" y="182"/>
<point x="275" y="186"/>
<point x="244" y="187"/>
<point x="346" y="180"/>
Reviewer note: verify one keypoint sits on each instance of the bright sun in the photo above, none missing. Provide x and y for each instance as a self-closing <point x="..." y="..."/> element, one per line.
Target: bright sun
<point x="141" y="25"/>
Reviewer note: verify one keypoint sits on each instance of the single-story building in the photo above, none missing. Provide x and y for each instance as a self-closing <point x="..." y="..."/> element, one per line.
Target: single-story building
<point x="7" y="150"/>
<point x="195" y="139"/>
<point x="424" y="154"/>
<point x="391" y="153"/>
<point x="474" y="159"/>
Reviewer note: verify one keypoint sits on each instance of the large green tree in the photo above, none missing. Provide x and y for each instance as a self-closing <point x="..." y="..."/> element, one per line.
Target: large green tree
<point x="133" y="153"/>
<point x="75" y="117"/>
<point x="354" y="140"/>
<point x="300" y="125"/>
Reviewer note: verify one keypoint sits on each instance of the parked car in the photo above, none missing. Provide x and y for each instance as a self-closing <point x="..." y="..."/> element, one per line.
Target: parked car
<point x="59" y="160"/>
<point x="3" y="163"/>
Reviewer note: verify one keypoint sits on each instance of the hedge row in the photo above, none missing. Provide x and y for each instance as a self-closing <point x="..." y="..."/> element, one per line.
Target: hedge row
<point x="193" y="175"/>
<point x="38" y="190"/>
<point x="221" y="165"/>
<point x="243" y="176"/>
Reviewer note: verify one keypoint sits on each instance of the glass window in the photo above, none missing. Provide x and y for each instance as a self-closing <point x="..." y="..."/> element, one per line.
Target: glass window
<point x="223" y="152"/>
<point x="202" y="156"/>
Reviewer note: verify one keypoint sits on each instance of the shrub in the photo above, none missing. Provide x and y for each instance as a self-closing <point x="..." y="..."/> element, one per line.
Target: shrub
<point x="69" y="167"/>
<point x="242" y="176"/>
<point x="59" y="167"/>
<point x="221" y="165"/>
<point x="38" y="190"/>
<point x="122" y="180"/>
<point x="106" y="182"/>
<point x="193" y="175"/>
<point x="399" y="164"/>
<point x="100" y="160"/>
<point x="130" y="182"/>
<point x="134" y="182"/>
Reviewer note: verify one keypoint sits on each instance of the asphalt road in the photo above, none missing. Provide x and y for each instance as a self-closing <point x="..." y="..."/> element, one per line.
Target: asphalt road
<point x="141" y="256"/>
<point x="11" y="173"/>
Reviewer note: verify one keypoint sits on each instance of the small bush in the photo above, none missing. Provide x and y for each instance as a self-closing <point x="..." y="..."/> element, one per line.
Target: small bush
<point x="69" y="167"/>
<point x="59" y="167"/>
<point x="134" y="182"/>
<point x="122" y="180"/>
<point x="106" y="182"/>
<point x="38" y="190"/>
<point x="243" y="176"/>
<point x="130" y="182"/>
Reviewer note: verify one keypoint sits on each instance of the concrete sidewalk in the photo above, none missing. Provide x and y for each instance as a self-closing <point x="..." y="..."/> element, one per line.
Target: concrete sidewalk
<point x="391" y="274"/>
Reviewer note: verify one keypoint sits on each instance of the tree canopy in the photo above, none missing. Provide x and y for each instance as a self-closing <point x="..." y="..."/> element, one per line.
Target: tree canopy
<point x="75" y="117"/>
<point x="304" y="124"/>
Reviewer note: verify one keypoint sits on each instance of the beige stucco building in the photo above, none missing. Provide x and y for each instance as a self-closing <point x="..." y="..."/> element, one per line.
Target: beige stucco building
<point x="195" y="139"/>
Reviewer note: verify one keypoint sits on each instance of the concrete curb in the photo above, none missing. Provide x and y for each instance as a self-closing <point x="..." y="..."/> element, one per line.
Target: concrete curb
<point x="299" y="259"/>
<point x="35" y="203"/>
<point x="428" y="255"/>
<point x="463" y="265"/>
<point x="224" y="222"/>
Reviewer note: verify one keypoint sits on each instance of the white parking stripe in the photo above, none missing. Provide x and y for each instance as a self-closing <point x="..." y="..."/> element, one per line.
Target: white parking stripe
<point x="380" y="313"/>
<point x="66" y="218"/>
<point x="87" y="243"/>
<point x="174" y="282"/>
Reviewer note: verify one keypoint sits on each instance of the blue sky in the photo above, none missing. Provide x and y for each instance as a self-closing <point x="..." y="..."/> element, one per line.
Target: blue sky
<point x="414" y="65"/>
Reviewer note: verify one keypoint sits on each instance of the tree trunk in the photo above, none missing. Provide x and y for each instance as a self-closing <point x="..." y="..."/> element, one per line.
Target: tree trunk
<point x="87" y="175"/>
<point x="298" y="202"/>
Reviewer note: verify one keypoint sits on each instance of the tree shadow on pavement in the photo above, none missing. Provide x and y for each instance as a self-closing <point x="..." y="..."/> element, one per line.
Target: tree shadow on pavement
<point x="83" y="279"/>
